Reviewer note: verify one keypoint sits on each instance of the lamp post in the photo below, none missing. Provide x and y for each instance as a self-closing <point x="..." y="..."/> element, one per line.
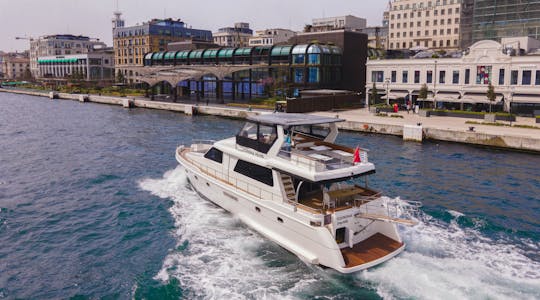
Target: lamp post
<point x="435" y="85"/>
<point x="387" y="83"/>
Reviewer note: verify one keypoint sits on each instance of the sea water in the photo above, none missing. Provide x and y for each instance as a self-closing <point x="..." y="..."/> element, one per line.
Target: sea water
<point x="94" y="205"/>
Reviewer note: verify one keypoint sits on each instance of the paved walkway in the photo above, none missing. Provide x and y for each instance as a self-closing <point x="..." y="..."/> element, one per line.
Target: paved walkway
<point x="449" y="123"/>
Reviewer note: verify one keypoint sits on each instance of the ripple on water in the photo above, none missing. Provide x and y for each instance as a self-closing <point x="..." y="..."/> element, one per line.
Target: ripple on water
<point x="217" y="257"/>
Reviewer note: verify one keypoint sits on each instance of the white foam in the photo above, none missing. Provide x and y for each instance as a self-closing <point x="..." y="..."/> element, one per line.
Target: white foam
<point x="226" y="260"/>
<point x="445" y="261"/>
<point x="222" y="259"/>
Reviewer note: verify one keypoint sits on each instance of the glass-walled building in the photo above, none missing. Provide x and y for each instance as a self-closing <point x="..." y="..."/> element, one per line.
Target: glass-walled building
<point x="494" y="19"/>
<point x="286" y="68"/>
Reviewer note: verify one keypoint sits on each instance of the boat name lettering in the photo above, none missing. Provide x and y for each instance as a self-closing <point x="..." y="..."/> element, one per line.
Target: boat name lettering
<point x="344" y="217"/>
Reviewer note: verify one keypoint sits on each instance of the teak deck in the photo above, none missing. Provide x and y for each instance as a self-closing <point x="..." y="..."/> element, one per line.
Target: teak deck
<point x="373" y="248"/>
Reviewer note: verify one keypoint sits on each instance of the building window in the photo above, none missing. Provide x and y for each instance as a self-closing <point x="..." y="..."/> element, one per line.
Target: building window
<point x="377" y="76"/>
<point x="442" y="76"/>
<point x="467" y="76"/>
<point x="394" y="76"/>
<point x="255" y="172"/>
<point x="405" y="77"/>
<point x="537" y="80"/>
<point x="429" y="77"/>
<point x="526" y="77"/>
<point x="514" y="77"/>
<point x="483" y="74"/>
<point x="501" y="76"/>
<point x="455" y="77"/>
<point x="416" y="76"/>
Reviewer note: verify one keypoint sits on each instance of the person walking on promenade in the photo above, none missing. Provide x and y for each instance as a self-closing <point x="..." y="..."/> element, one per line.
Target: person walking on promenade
<point x="395" y="107"/>
<point x="408" y="106"/>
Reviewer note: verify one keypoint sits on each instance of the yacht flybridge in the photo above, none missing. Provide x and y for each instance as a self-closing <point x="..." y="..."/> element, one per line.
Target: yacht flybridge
<point x="284" y="176"/>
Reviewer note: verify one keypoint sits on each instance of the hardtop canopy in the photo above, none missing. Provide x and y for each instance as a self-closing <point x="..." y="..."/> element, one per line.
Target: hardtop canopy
<point x="287" y="120"/>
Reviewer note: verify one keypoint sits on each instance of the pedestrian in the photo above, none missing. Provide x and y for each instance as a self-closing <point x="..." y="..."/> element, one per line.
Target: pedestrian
<point x="395" y="107"/>
<point x="408" y="106"/>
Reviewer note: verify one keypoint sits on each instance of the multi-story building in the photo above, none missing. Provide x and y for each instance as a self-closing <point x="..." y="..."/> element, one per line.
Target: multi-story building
<point x="269" y="37"/>
<point x="462" y="83"/>
<point x="377" y="36"/>
<point x="494" y="20"/>
<point x="420" y="24"/>
<point x="16" y="66"/>
<point x="96" y="66"/>
<point x="237" y="36"/>
<point x="349" y="23"/>
<point x="59" y="44"/>
<point x="131" y="43"/>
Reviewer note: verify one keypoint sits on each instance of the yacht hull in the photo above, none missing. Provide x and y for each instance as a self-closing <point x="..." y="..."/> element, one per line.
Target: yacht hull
<point x="312" y="244"/>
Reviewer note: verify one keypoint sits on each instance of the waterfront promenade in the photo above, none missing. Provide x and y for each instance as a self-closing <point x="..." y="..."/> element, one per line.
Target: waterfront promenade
<point x="449" y="129"/>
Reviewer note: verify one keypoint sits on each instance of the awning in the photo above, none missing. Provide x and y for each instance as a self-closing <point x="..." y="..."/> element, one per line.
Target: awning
<point x="397" y="95"/>
<point x="526" y="99"/>
<point x="479" y="98"/>
<point x="453" y="97"/>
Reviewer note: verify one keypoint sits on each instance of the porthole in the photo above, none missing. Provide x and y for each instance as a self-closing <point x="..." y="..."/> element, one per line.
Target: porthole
<point x="280" y="220"/>
<point x="257" y="209"/>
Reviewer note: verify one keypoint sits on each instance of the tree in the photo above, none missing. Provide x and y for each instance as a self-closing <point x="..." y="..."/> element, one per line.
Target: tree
<point x="423" y="93"/>
<point x="490" y="94"/>
<point x="374" y="94"/>
<point x="120" y="77"/>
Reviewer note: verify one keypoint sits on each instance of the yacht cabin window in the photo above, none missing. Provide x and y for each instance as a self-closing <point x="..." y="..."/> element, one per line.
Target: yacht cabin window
<point x="255" y="172"/>
<point x="313" y="130"/>
<point x="215" y="155"/>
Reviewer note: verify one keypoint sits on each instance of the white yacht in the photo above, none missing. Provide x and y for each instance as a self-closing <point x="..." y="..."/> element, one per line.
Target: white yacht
<point x="284" y="176"/>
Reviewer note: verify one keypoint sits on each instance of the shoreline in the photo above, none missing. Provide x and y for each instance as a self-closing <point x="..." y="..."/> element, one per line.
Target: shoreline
<point x="447" y="129"/>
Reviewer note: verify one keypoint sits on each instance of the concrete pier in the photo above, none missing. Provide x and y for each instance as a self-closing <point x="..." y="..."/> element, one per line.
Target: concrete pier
<point x="410" y="126"/>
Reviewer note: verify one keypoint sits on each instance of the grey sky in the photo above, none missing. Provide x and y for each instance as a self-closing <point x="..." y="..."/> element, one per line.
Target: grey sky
<point x="34" y="18"/>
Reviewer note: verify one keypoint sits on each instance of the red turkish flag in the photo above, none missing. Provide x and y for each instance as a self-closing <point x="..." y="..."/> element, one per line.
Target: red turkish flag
<point x="356" y="156"/>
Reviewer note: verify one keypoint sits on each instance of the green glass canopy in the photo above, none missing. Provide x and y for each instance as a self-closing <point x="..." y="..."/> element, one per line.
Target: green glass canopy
<point x="226" y="52"/>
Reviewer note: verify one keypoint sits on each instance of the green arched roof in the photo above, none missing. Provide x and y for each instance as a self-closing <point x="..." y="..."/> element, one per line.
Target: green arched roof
<point x="182" y="54"/>
<point x="281" y="50"/>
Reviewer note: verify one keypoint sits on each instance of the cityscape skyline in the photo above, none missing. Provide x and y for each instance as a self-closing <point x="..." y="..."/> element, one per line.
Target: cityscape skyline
<point x="93" y="19"/>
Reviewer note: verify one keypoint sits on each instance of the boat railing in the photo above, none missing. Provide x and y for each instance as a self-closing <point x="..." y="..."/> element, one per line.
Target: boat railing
<point x="320" y="161"/>
<point x="201" y="145"/>
<point x="238" y="183"/>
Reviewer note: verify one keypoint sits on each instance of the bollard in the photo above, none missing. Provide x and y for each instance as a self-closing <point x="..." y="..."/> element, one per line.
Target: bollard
<point x="412" y="133"/>
<point x="188" y="110"/>
<point x="127" y="103"/>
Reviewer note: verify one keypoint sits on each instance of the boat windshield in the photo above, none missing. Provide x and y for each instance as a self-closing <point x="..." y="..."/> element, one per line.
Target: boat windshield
<point x="256" y="136"/>
<point x="313" y="130"/>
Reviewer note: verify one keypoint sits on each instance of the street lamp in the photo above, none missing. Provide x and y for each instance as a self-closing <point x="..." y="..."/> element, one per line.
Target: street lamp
<point x="435" y="85"/>
<point x="387" y="83"/>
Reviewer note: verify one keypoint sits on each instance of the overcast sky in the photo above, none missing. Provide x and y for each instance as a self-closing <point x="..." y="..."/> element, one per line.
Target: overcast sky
<point x="34" y="18"/>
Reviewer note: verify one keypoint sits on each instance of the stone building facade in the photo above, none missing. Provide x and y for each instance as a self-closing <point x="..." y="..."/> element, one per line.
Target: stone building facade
<point x="59" y="44"/>
<point x="132" y="43"/>
<point x="461" y="83"/>
<point x="434" y="24"/>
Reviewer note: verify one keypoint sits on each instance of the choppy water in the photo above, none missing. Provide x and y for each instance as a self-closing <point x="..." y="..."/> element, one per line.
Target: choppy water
<point x="93" y="205"/>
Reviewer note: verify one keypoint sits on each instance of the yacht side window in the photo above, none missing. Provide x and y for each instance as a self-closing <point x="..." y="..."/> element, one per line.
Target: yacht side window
<point x="215" y="155"/>
<point x="255" y="172"/>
